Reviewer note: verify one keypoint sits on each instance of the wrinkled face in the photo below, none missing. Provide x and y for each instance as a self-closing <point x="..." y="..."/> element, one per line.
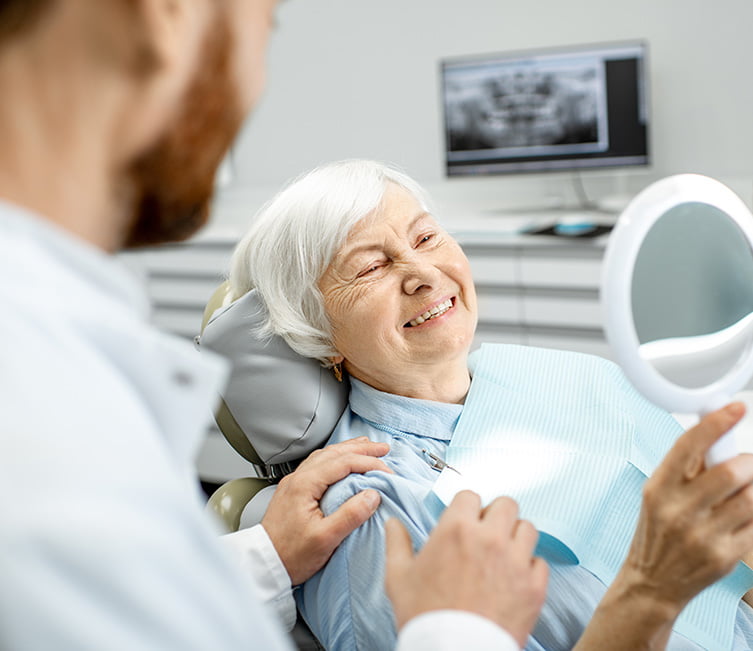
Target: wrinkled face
<point x="173" y="181"/>
<point x="399" y="295"/>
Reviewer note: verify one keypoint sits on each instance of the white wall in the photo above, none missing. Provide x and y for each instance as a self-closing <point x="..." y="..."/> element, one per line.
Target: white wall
<point x="360" y="78"/>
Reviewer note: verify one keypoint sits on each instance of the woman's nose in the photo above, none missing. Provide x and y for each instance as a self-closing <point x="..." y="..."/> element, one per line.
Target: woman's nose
<point x="419" y="276"/>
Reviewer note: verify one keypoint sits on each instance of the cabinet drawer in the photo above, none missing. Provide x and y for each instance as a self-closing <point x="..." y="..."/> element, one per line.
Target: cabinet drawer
<point x="498" y="308"/>
<point x="489" y="269"/>
<point x="562" y="312"/>
<point x="560" y="272"/>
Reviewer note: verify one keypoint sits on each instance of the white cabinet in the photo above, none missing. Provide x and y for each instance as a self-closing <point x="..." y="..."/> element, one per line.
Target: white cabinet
<point x="538" y="290"/>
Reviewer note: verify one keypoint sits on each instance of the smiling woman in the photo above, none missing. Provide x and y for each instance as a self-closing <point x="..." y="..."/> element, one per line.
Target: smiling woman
<point x="356" y="272"/>
<point x="299" y="233"/>
<point x="372" y="283"/>
<point x="401" y="303"/>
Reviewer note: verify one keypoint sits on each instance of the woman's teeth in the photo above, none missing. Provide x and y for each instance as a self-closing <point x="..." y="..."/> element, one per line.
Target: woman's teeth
<point x="432" y="313"/>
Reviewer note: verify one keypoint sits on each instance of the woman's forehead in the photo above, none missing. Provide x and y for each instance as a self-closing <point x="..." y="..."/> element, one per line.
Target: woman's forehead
<point x="399" y="210"/>
<point x="374" y="231"/>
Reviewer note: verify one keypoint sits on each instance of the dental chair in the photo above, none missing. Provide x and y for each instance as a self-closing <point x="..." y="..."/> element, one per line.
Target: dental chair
<point x="277" y="408"/>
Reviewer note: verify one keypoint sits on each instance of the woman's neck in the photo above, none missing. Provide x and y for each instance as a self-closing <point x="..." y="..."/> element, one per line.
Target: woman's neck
<point x="448" y="383"/>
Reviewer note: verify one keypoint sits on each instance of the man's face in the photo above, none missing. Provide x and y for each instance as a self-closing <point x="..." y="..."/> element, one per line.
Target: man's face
<point x="173" y="181"/>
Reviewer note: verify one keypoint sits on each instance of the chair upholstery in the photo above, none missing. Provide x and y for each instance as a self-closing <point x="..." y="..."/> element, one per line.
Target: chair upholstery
<point x="276" y="409"/>
<point x="278" y="406"/>
<point x="231" y="499"/>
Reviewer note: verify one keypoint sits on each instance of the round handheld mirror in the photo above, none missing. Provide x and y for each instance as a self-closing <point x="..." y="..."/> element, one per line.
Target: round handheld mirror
<point x="677" y="290"/>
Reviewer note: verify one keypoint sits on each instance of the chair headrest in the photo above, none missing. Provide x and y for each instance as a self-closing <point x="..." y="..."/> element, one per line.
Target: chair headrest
<point x="278" y="406"/>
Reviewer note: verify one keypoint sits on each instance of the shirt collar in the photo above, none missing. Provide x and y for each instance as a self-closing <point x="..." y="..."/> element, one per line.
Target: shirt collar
<point x="104" y="273"/>
<point x="407" y="415"/>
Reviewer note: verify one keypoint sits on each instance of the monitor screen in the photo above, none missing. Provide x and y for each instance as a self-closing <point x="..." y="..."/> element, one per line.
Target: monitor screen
<point x="546" y="110"/>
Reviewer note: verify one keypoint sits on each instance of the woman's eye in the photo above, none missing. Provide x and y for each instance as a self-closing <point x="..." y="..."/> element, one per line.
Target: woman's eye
<point x="368" y="270"/>
<point x="425" y="239"/>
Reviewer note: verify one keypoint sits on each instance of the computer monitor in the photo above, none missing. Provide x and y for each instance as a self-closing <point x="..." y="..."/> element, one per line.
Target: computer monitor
<point x="546" y="110"/>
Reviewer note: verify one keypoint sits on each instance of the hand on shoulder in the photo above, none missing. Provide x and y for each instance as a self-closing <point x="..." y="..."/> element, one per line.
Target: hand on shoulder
<point x="302" y="535"/>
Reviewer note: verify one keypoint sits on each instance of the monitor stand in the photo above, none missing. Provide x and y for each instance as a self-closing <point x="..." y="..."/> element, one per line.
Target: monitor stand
<point x="605" y="210"/>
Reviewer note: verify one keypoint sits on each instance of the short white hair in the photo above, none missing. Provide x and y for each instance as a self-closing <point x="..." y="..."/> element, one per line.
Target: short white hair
<point x="295" y="236"/>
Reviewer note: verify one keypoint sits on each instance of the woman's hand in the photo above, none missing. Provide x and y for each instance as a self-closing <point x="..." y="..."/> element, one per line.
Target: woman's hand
<point x="695" y="524"/>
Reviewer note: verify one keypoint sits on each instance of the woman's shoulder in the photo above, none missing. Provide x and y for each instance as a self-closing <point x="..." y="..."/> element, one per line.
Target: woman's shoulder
<point x="402" y="492"/>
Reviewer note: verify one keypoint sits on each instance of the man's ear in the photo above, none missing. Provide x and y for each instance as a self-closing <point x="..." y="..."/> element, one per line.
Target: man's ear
<point x="171" y="28"/>
<point x="166" y="25"/>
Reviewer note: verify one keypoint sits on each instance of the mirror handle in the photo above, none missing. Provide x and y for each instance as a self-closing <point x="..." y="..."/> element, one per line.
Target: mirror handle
<point x="725" y="448"/>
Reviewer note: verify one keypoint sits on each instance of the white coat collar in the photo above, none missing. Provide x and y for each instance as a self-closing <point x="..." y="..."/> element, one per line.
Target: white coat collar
<point x="107" y="305"/>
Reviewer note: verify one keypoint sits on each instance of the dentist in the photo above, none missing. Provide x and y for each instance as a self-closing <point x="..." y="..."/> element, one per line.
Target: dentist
<point x="114" y="117"/>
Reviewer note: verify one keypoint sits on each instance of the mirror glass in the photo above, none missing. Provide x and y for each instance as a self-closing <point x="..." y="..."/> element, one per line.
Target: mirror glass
<point x="692" y="294"/>
<point x="677" y="293"/>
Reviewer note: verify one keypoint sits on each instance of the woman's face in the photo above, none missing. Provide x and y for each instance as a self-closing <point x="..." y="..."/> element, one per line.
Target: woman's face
<point x="399" y="296"/>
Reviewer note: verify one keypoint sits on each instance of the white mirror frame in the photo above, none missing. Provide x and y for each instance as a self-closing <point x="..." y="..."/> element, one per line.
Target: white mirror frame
<point x="616" y="296"/>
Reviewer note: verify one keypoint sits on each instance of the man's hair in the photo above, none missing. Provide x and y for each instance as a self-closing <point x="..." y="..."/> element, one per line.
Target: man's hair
<point x="17" y="16"/>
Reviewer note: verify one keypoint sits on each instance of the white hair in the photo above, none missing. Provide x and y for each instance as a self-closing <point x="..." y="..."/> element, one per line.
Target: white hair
<point x="293" y="240"/>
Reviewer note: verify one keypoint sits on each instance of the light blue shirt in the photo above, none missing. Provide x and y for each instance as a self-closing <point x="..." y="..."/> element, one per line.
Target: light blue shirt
<point x="345" y="604"/>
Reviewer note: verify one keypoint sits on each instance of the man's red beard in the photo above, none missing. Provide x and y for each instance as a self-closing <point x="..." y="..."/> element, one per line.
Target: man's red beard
<point x="173" y="182"/>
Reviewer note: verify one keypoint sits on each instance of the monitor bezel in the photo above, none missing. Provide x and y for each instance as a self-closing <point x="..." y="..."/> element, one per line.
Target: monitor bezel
<point x="569" y="164"/>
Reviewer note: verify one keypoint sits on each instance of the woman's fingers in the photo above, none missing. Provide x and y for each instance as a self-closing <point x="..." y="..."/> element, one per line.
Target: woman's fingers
<point x="685" y="460"/>
<point x="734" y="513"/>
<point x="695" y="522"/>
<point x="723" y="481"/>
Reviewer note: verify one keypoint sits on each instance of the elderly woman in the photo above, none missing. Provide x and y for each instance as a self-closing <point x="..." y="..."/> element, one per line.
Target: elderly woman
<point x="355" y="272"/>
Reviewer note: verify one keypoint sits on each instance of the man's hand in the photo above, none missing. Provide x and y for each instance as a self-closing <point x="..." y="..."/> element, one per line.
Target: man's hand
<point x="303" y="537"/>
<point x="475" y="560"/>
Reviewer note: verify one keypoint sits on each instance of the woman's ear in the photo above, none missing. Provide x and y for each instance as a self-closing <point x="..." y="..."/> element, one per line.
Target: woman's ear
<point x="337" y="368"/>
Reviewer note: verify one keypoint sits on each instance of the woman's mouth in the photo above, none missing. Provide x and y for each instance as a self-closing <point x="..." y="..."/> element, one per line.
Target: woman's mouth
<point x="433" y="313"/>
